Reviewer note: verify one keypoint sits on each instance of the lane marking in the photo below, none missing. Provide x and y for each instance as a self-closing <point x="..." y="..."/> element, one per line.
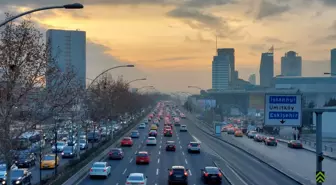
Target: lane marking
<point x="160" y="146"/>
<point x="131" y="160"/>
<point x="124" y="171"/>
<point x="185" y="160"/>
<point x="159" y="152"/>
<point x="182" y="153"/>
<point x="196" y="139"/>
<point x="117" y="184"/>
<point x="181" y="147"/>
<point x="139" y="146"/>
<point x="190" y="173"/>
<point x="179" y="142"/>
<point x="136" y="152"/>
<point x="158" y="160"/>
<point x="157" y="171"/>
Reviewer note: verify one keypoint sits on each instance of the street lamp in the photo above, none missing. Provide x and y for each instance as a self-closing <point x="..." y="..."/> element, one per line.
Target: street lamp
<point x="140" y="79"/>
<point x="107" y="70"/>
<point x="67" y="6"/>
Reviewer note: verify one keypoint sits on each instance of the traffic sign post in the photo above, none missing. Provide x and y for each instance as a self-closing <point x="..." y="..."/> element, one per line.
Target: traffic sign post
<point x="283" y="110"/>
<point x="320" y="177"/>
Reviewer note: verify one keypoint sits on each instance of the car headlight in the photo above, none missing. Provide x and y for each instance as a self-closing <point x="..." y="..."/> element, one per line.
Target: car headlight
<point x="26" y="161"/>
<point x="3" y="182"/>
<point x="17" y="182"/>
<point x="70" y="153"/>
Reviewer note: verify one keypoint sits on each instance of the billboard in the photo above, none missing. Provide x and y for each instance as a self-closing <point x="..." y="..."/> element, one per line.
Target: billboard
<point x="206" y="104"/>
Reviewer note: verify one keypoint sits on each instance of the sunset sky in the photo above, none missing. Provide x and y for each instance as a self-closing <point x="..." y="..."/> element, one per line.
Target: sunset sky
<point x="172" y="42"/>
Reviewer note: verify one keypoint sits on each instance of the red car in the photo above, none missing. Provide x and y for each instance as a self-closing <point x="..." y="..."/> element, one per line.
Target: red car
<point x="142" y="158"/>
<point x="116" y="153"/>
<point x="294" y="144"/>
<point x="126" y="141"/>
<point x="168" y="132"/>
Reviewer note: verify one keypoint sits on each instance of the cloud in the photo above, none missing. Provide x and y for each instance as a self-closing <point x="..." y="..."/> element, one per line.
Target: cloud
<point x="175" y="59"/>
<point x="199" y="38"/>
<point x="258" y="47"/>
<point x="207" y="3"/>
<point x="267" y="9"/>
<point x="325" y="39"/>
<point x="273" y="40"/>
<point x="328" y="2"/>
<point x="333" y="26"/>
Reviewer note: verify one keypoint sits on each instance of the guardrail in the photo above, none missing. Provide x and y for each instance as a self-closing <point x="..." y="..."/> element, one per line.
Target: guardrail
<point x="77" y="165"/>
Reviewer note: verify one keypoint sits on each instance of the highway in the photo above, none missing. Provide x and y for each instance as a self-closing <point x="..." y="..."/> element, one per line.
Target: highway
<point x="238" y="167"/>
<point x="299" y="162"/>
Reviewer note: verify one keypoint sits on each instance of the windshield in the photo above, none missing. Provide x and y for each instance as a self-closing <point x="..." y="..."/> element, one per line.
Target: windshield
<point x="135" y="178"/>
<point x="194" y="144"/>
<point x="48" y="158"/>
<point x="60" y="144"/>
<point x="82" y="141"/>
<point x="17" y="173"/>
<point x="68" y="149"/>
<point x="98" y="165"/>
<point x="142" y="154"/>
<point x="2" y="167"/>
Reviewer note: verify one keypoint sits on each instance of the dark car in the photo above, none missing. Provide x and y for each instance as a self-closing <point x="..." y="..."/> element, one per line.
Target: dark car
<point x="25" y="160"/>
<point x="116" y="153"/>
<point x="178" y="175"/>
<point x="259" y="138"/>
<point x="294" y="144"/>
<point x="152" y="133"/>
<point x="211" y="175"/>
<point x="20" y="177"/>
<point x="271" y="141"/>
<point x="94" y="137"/>
<point x="69" y="152"/>
<point x="170" y="146"/>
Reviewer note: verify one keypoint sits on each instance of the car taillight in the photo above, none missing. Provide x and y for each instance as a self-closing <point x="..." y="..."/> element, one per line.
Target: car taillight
<point x="170" y="173"/>
<point x="91" y="170"/>
<point x="220" y="174"/>
<point x="104" y="170"/>
<point x="199" y="145"/>
<point x="128" y="183"/>
<point x="186" y="173"/>
<point x="141" y="183"/>
<point x="189" y="145"/>
<point x="206" y="174"/>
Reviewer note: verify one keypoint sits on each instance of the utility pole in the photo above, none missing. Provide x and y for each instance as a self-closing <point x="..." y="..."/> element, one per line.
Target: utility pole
<point x="55" y="143"/>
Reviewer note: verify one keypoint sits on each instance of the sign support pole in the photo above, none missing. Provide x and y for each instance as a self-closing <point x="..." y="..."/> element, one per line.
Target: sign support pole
<point x="319" y="153"/>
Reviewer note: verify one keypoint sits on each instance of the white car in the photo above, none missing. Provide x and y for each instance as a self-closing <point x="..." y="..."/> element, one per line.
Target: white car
<point x="151" y="141"/>
<point x="194" y="147"/>
<point x="59" y="145"/>
<point x="142" y="125"/>
<point x="100" y="169"/>
<point x="136" y="178"/>
<point x="183" y="128"/>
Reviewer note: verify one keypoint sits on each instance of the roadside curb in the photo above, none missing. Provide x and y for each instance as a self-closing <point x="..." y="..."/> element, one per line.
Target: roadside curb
<point x="293" y="177"/>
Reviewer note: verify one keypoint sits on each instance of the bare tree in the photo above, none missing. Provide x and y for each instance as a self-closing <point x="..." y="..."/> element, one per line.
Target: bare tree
<point x="25" y="62"/>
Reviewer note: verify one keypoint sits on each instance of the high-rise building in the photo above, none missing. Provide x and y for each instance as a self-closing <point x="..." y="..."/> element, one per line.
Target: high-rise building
<point x="291" y="64"/>
<point x="333" y="62"/>
<point x="266" y="69"/>
<point x="252" y="79"/>
<point x="68" y="48"/>
<point x="230" y="53"/>
<point x="220" y="72"/>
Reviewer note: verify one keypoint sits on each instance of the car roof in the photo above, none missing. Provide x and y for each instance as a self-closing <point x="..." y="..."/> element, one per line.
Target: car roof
<point x="211" y="168"/>
<point x="183" y="125"/>
<point x="116" y="149"/>
<point x="151" y="138"/>
<point x="178" y="167"/>
<point x="194" y="142"/>
<point x="142" y="152"/>
<point x="170" y="142"/>
<point x="127" y="138"/>
<point x="136" y="174"/>
<point x="104" y="163"/>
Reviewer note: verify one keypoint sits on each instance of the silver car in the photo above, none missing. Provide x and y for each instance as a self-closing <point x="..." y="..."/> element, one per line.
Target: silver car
<point x="194" y="147"/>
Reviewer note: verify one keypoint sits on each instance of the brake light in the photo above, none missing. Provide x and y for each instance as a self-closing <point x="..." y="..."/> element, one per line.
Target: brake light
<point x="128" y="183"/>
<point x="104" y="170"/>
<point x="186" y="173"/>
<point x="170" y="173"/>
<point x="189" y="145"/>
<point x="206" y="174"/>
<point x="199" y="145"/>
<point x="141" y="183"/>
<point x="91" y="170"/>
<point x="220" y="174"/>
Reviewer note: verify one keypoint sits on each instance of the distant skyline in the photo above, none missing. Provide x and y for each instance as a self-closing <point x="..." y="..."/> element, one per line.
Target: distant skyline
<point x="172" y="42"/>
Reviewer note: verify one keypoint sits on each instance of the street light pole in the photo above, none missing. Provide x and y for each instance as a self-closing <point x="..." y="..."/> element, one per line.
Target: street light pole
<point x="67" y="6"/>
<point x="140" y="79"/>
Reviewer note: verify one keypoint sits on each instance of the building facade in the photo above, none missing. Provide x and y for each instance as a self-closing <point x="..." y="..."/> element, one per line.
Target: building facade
<point x="230" y="53"/>
<point x="68" y="48"/>
<point x="252" y="79"/>
<point x="266" y="70"/>
<point x="291" y="64"/>
<point x="333" y="62"/>
<point x="220" y="72"/>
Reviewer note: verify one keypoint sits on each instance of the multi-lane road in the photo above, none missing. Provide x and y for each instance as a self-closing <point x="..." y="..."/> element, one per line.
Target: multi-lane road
<point x="238" y="167"/>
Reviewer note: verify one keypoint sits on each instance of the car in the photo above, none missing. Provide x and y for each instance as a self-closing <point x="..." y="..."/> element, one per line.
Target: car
<point x="271" y="141"/>
<point x="151" y="141"/>
<point x="135" y="134"/>
<point x="183" y="116"/>
<point x="100" y="169"/>
<point x="142" y="126"/>
<point x="116" y="153"/>
<point x="258" y="138"/>
<point x="295" y="144"/>
<point x="58" y="147"/>
<point x="83" y="144"/>
<point x="152" y="133"/>
<point x="178" y="175"/>
<point x="25" y="160"/>
<point x="20" y="177"/>
<point x="183" y="128"/>
<point x="170" y="146"/>
<point x="211" y="174"/>
<point x="238" y="133"/>
<point x="49" y="161"/>
<point x="168" y="133"/>
<point x="142" y="157"/>
<point x="69" y="152"/>
<point x="126" y="141"/>
<point x="136" y="178"/>
<point x="231" y="131"/>
<point x="194" y="147"/>
<point x="252" y="134"/>
<point x="154" y="127"/>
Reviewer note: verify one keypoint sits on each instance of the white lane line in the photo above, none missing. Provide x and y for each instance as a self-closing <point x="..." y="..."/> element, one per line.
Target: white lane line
<point x="131" y="160"/>
<point x="181" y="147"/>
<point x="190" y="173"/>
<point x="197" y="140"/>
<point x="136" y="152"/>
<point x="159" y="152"/>
<point x="157" y="171"/>
<point x="160" y="146"/>
<point x="139" y="146"/>
<point x="179" y="142"/>
<point x="124" y="171"/>
<point x="185" y="160"/>
<point x="158" y="160"/>
<point x="182" y="153"/>
<point x="117" y="184"/>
